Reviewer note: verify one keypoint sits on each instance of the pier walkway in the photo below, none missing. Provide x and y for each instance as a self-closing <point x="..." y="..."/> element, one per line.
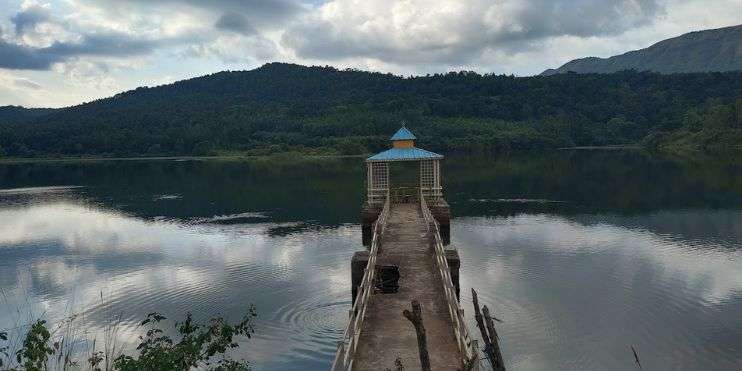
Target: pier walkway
<point x="406" y="236"/>
<point x="386" y="334"/>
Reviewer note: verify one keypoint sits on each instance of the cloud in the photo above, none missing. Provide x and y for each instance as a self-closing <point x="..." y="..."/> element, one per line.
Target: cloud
<point x="23" y="82"/>
<point x="29" y="16"/>
<point x="17" y="82"/>
<point x="453" y="31"/>
<point x="236" y="49"/>
<point x="265" y="14"/>
<point x="22" y="57"/>
<point x="16" y="56"/>
<point x="235" y="22"/>
<point x="133" y="28"/>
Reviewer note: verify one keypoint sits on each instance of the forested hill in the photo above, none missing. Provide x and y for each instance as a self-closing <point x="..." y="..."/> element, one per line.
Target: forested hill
<point x="282" y="107"/>
<point x="717" y="50"/>
<point x="18" y="113"/>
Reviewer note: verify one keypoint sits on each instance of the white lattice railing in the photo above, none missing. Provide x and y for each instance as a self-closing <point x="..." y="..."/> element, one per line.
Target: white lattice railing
<point x="467" y="346"/>
<point x="347" y="346"/>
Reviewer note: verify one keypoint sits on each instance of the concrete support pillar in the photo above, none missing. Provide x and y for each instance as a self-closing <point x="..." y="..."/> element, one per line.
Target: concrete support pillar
<point x="357" y="266"/>
<point x="454" y="264"/>
<point x="442" y="214"/>
<point x="369" y="213"/>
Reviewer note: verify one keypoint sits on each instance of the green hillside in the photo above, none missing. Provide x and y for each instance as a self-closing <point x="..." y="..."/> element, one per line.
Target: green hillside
<point x="283" y="107"/>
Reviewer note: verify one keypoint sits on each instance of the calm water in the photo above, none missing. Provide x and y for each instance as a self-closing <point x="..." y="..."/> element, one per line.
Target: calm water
<point x="581" y="254"/>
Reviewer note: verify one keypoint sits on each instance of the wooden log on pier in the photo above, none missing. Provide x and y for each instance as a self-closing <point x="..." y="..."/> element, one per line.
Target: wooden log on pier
<point x="416" y="317"/>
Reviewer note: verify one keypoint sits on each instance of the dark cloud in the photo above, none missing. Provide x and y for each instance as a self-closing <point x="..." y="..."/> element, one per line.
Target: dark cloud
<point x="437" y="37"/>
<point x="267" y="10"/>
<point x="262" y="13"/>
<point x="29" y="18"/>
<point x="583" y="18"/>
<point x="109" y="44"/>
<point x="21" y="57"/>
<point x="235" y="22"/>
<point x="15" y="56"/>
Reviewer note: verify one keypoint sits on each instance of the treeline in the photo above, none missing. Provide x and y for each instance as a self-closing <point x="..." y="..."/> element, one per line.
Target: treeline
<point x="716" y="126"/>
<point x="282" y="107"/>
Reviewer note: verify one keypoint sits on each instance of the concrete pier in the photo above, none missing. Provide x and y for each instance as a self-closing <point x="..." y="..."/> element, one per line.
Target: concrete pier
<point x="360" y="260"/>
<point x="386" y="334"/>
<point x="405" y="229"/>
<point x="439" y="208"/>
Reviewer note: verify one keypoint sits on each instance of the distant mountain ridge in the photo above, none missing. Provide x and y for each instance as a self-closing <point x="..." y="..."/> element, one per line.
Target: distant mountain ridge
<point x="716" y="50"/>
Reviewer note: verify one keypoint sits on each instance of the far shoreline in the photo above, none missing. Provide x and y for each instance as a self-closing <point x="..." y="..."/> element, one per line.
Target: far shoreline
<point x="607" y="148"/>
<point x="289" y="155"/>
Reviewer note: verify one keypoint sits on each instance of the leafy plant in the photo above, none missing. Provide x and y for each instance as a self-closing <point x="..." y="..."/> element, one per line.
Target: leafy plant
<point x="198" y="346"/>
<point x="36" y="349"/>
<point x="3" y="349"/>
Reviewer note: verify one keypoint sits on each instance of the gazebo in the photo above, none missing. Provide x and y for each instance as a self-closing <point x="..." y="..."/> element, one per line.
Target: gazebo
<point x="403" y="149"/>
<point x="428" y="185"/>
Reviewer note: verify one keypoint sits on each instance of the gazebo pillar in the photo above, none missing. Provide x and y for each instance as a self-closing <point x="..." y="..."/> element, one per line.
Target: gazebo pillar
<point x="377" y="184"/>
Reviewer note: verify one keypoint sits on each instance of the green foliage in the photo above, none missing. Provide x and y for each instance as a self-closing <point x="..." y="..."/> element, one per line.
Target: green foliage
<point x="197" y="346"/>
<point x="36" y="348"/>
<point x="195" y="349"/>
<point x="281" y="107"/>
<point x="3" y="349"/>
<point x="717" y="127"/>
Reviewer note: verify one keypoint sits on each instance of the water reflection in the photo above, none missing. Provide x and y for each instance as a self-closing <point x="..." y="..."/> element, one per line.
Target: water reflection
<point x="576" y="294"/>
<point x="581" y="255"/>
<point x="67" y="254"/>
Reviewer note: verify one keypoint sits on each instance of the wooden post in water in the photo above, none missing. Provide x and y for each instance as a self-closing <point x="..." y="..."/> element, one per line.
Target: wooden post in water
<point x="416" y="317"/>
<point x="483" y="330"/>
<point x="500" y="366"/>
<point x="489" y="334"/>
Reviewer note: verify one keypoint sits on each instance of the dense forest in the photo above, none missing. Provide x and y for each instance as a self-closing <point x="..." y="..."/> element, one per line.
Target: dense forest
<point x="323" y="110"/>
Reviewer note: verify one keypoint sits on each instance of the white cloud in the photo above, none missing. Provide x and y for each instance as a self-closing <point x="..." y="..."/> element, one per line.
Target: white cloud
<point x="453" y="32"/>
<point x="236" y="48"/>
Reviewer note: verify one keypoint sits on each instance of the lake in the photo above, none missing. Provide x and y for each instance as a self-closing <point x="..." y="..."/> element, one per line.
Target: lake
<point x="582" y="254"/>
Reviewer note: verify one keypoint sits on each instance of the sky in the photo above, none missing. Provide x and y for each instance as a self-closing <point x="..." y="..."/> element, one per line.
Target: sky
<point x="58" y="53"/>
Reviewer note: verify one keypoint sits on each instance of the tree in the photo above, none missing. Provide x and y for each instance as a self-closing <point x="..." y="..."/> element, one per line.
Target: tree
<point x="719" y="117"/>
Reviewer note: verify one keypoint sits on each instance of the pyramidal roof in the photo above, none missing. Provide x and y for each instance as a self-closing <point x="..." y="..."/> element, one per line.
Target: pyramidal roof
<point x="403" y="134"/>
<point x="404" y="154"/>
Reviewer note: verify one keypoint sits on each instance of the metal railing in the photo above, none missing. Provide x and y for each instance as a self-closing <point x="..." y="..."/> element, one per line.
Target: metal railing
<point x="467" y="346"/>
<point x="347" y="346"/>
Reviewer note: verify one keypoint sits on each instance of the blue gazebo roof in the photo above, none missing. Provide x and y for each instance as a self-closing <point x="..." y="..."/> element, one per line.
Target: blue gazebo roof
<point x="403" y="134"/>
<point x="404" y="154"/>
